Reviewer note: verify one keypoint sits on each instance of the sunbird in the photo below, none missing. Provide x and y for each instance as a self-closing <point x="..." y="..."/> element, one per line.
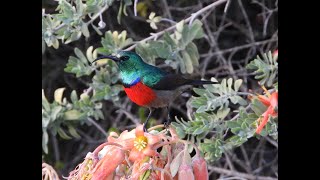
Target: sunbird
<point x="147" y="85"/>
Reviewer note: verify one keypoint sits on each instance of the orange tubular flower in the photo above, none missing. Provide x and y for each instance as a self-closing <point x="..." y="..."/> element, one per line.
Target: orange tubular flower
<point x="200" y="168"/>
<point x="185" y="172"/>
<point x="271" y="101"/>
<point x="107" y="165"/>
<point x="143" y="145"/>
<point x="133" y="155"/>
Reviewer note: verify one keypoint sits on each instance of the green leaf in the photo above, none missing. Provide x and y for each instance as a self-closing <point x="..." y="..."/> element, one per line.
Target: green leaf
<point x="180" y="131"/>
<point x="266" y="69"/>
<point x="45" y="139"/>
<point x="72" y="115"/>
<point x="73" y="132"/>
<point x="90" y="54"/>
<point x="84" y="30"/>
<point x="198" y="131"/>
<point x="199" y="91"/>
<point x="74" y="36"/>
<point x="74" y="96"/>
<point x="80" y="55"/>
<point x="229" y="82"/>
<point x="222" y="113"/>
<point x="58" y="95"/>
<point x="62" y="134"/>
<point x="258" y="107"/>
<point x="237" y="84"/>
<point x="169" y="40"/>
<point x="196" y="29"/>
<point x="45" y="102"/>
<point x="241" y="101"/>
<point x="55" y="111"/>
<point x="97" y="30"/>
<point x="55" y="42"/>
<point x="187" y="61"/>
<point x="43" y="46"/>
<point x="181" y="64"/>
<point x="179" y="26"/>
<point x="193" y="53"/>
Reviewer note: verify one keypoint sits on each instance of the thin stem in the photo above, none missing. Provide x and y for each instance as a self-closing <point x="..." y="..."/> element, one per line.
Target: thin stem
<point x="98" y="126"/>
<point x="135" y="7"/>
<point x="98" y="14"/>
<point x="223" y="51"/>
<point x="238" y="174"/>
<point x="193" y="16"/>
<point x="94" y="17"/>
<point x="55" y="147"/>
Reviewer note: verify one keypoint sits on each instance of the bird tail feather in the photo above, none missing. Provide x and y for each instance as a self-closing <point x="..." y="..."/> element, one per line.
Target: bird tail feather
<point x="200" y="82"/>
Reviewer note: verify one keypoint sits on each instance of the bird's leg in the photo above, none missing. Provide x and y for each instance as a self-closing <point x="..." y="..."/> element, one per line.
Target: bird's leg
<point x="167" y="123"/>
<point x="145" y="123"/>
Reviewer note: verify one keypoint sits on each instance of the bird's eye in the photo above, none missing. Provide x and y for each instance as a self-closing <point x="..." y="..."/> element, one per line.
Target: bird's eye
<point x="124" y="58"/>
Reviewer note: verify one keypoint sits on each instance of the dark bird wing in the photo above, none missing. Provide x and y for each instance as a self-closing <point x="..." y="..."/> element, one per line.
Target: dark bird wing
<point x="173" y="81"/>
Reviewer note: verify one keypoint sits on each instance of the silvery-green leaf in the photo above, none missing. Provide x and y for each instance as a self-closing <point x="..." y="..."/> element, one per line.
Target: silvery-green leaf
<point x="45" y="102"/>
<point x="72" y="115"/>
<point x="180" y="132"/>
<point x="55" y="111"/>
<point x="74" y="96"/>
<point x="80" y="55"/>
<point x="241" y="101"/>
<point x="223" y="86"/>
<point x="233" y="99"/>
<point x="229" y="82"/>
<point x="73" y="132"/>
<point x="187" y="62"/>
<point x="193" y="53"/>
<point x="62" y="134"/>
<point x="213" y="79"/>
<point x="152" y="14"/>
<point x="97" y="30"/>
<point x="222" y="113"/>
<point x="198" y="131"/>
<point x="84" y="30"/>
<point x="45" y="139"/>
<point x="43" y="46"/>
<point x="75" y="36"/>
<point x="55" y="42"/>
<point x="153" y="25"/>
<point x="237" y="84"/>
<point x="181" y="64"/>
<point x="58" y="95"/>
<point x="89" y="54"/>
<point x="179" y="26"/>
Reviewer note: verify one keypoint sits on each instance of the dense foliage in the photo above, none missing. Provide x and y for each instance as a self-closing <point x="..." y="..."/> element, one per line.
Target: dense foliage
<point x="230" y="42"/>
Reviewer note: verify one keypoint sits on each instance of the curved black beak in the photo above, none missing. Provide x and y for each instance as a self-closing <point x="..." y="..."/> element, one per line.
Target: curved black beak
<point x="114" y="58"/>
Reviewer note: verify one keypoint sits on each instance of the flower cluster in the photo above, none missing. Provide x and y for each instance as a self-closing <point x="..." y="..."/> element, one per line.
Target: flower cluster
<point x="271" y="102"/>
<point x="143" y="155"/>
<point x="48" y="173"/>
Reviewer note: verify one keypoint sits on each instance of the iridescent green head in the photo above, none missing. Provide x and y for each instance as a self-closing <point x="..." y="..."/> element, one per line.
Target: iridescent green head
<point x="126" y="60"/>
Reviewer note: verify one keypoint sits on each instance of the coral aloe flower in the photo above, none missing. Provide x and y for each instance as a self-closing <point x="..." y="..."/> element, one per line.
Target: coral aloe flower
<point x="138" y="142"/>
<point x="143" y="144"/>
<point x="106" y="166"/>
<point x="271" y="101"/>
<point x="200" y="168"/>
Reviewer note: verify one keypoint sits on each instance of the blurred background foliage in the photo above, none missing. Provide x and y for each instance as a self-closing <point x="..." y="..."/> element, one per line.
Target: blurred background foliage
<point x="230" y="43"/>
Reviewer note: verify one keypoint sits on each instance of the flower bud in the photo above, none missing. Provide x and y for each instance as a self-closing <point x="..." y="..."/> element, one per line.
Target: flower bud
<point x="200" y="169"/>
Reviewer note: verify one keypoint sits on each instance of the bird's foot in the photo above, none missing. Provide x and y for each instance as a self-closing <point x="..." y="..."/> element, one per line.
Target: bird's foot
<point x="145" y="128"/>
<point x="166" y="124"/>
